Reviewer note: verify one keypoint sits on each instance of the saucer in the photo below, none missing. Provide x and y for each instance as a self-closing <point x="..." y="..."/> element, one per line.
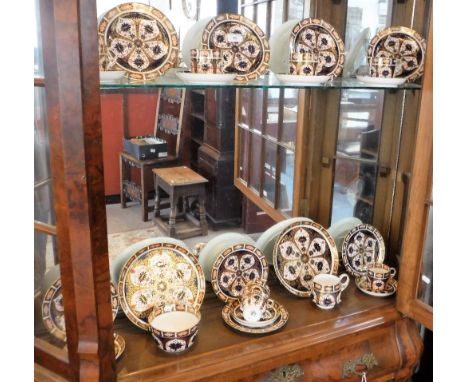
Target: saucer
<point x="390" y="288"/>
<point x="302" y="79"/>
<point x="278" y="323"/>
<point x="119" y="345"/>
<point x="206" y="79"/>
<point x="381" y="81"/>
<point x="269" y="317"/>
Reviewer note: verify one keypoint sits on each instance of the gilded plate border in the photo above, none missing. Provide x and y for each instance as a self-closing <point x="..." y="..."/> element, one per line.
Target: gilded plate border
<point x="331" y="246"/>
<point x="148" y="10"/>
<point x="368" y="229"/>
<point x="227" y="252"/>
<point x="312" y="22"/>
<point x="133" y="317"/>
<point x="374" y="45"/>
<point x="263" y="66"/>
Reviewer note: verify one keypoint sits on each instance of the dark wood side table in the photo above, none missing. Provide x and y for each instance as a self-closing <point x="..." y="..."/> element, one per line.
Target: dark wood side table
<point x="131" y="190"/>
<point x="179" y="182"/>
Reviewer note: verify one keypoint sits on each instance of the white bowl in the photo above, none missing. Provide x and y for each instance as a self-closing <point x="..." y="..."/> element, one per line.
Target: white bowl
<point x="279" y="47"/>
<point x="266" y="241"/>
<point x="206" y="79"/>
<point x="111" y="75"/>
<point x="121" y="259"/>
<point x="218" y="244"/>
<point x="381" y="81"/>
<point x="302" y="80"/>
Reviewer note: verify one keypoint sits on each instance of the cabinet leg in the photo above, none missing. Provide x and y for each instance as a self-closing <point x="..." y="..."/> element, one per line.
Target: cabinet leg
<point x="173" y="215"/>
<point x="144" y="196"/>
<point x="123" y="177"/>
<point x="157" y="200"/>
<point x="202" y="209"/>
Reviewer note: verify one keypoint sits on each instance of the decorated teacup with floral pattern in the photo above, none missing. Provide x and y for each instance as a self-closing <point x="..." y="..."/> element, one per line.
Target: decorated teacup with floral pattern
<point x="206" y="61"/>
<point x="378" y="275"/>
<point x="174" y="327"/>
<point x="327" y="289"/>
<point x="254" y="301"/>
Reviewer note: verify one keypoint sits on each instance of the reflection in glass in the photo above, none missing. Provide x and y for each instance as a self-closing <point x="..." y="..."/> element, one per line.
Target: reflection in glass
<point x="354" y="190"/>
<point x="276" y="15"/>
<point x="244" y="137"/>
<point x="286" y="180"/>
<point x="43" y="199"/>
<point x="270" y="172"/>
<point x="248" y="11"/>
<point x="295" y="9"/>
<point x="46" y="272"/>
<point x="245" y="108"/>
<point x="271" y="128"/>
<point x="426" y="282"/>
<point x="262" y="17"/>
<point x="38" y="60"/>
<point x="290" y="108"/>
<point x="255" y="161"/>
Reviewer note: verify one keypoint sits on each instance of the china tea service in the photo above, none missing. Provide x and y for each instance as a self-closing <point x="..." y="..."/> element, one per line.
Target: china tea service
<point x="327" y="289"/>
<point x="378" y="281"/>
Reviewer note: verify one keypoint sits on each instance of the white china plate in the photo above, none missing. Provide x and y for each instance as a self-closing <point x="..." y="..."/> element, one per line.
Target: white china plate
<point x="208" y="79"/>
<point x="390" y="288"/>
<point x="111" y="75"/>
<point x="274" y="313"/>
<point x="302" y="80"/>
<point x="381" y="81"/>
<point x="266" y="241"/>
<point x="209" y="253"/>
<point x="278" y="324"/>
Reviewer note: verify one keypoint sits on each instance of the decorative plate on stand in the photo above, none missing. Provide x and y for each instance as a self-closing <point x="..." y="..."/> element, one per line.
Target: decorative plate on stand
<point x="227" y="314"/>
<point x="244" y="47"/>
<point x="319" y="38"/>
<point x="235" y="267"/>
<point x="362" y="245"/>
<point x="400" y="43"/>
<point x="160" y="273"/>
<point x="139" y="39"/>
<point x="303" y="250"/>
<point x="53" y="313"/>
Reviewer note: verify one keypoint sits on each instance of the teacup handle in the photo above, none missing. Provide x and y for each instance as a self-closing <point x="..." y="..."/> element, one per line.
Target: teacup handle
<point x="392" y="272"/>
<point x="344" y="280"/>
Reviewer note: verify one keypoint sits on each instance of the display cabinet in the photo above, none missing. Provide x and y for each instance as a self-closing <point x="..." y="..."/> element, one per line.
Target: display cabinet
<point x="377" y="336"/>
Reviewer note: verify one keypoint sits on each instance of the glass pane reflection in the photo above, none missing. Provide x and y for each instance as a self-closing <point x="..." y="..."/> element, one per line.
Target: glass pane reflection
<point x="426" y="281"/>
<point x="270" y="172"/>
<point x="286" y="180"/>
<point x="354" y="190"/>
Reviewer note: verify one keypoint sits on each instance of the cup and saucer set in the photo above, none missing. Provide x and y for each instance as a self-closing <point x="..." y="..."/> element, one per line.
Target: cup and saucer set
<point x="239" y="275"/>
<point x="363" y="255"/>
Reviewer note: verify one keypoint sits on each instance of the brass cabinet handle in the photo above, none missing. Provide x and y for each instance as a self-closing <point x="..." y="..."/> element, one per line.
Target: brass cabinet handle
<point x="360" y="366"/>
<point x="287" y="373"/>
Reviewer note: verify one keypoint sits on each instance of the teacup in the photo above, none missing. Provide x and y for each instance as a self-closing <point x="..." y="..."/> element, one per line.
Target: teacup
<point x="174" y="327"/>
<point x="254" y="301"/>
<point x="206" y="61"/>
<point x="378" y="275"/>
<point x="327" y="289"/>
<point x="303" y="64"/>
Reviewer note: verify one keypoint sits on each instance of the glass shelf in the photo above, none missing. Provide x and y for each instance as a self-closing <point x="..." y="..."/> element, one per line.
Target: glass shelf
<point x="267" y="82"/>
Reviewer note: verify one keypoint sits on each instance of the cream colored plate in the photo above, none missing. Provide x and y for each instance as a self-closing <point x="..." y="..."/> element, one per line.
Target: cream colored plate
<point x="278" y="324"/>
<point x="381" y="81"/>
<point x="390" y="288"/>
<point x="206" y="79"/>
<point x="302" y="80"/>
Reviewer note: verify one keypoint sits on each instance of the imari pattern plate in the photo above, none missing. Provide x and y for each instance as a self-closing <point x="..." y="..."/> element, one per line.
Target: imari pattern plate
<point x="139" y="39"/>
<point x="53" y="312"/>
<point x="364" y="244"/>
<point x="303" y="250"/>
<point x="160" y="273"/>
<point x="403" y="44"/>
<point x="244" y="47"/>
<point x="234" y="268"/>
<point x="119" y="345"/>
<point x="282" y="319"/>
<point x="363" y="286"/>
<point x="319" y="38"/>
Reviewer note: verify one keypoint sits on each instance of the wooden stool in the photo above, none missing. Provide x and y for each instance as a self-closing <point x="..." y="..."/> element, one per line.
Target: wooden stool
<point x="179" y="182"/>
<point x="131" y="190"/>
